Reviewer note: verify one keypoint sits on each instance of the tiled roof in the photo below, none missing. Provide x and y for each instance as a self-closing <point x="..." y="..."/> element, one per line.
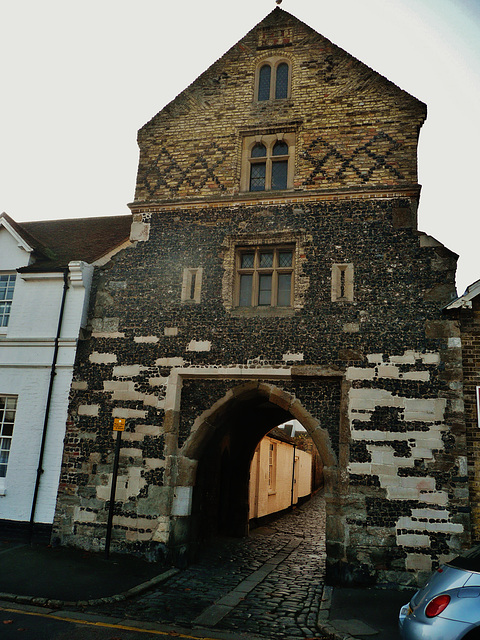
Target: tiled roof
<point x="57" y="242"/>
<point x="279" y="434"/>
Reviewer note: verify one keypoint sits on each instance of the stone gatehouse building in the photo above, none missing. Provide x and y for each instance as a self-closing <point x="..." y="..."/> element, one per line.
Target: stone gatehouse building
<point x="275" y="272"/>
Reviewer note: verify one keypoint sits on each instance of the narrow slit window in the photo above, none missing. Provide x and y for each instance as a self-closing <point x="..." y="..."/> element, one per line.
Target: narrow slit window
<point x="192" y="285"/>
<point x="342" y="283"/>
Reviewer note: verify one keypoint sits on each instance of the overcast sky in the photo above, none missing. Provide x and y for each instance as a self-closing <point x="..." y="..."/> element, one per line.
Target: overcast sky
<point x="78" y="79"/>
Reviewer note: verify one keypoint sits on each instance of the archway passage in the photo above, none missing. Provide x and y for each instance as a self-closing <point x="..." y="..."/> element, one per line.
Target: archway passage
<point x="224" y="444"/>
<point x="220" y="497"/>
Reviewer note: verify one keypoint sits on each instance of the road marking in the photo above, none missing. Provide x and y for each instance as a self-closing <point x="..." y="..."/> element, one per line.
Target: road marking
<point x="52" y="616"/>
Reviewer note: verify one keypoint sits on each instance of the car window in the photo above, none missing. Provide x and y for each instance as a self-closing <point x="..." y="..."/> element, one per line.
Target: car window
<point x="470" y="560"/>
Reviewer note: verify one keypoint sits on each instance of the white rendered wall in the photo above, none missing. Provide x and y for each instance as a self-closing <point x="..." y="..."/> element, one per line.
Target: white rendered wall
<point x="264" y="500"/>
<point x="11" y="255"/>
<point x="26" y="355"/>
<point x="303" y="473"/>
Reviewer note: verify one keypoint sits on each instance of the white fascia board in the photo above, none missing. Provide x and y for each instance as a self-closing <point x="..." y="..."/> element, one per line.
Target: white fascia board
<point x="465" y="301"/>
<point x="18" y="238"/>
<point x="80" y="274"/>
<point x="47" y="275"/>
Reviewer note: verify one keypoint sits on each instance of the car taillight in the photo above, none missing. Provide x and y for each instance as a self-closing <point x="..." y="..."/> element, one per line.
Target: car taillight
<point x="436" y="606"/>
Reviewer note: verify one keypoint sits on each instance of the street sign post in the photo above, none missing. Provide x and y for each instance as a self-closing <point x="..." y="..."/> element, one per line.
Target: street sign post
<point x="118" y="427"/>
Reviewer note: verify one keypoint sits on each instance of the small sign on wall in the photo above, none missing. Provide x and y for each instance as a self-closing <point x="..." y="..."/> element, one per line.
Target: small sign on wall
<point x="119" y="424"/>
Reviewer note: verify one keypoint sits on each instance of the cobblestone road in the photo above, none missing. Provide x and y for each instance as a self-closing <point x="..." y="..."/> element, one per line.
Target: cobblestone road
<point x="269" y="584"/>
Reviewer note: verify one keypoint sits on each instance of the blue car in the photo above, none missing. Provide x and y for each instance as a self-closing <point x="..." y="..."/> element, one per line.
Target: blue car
<point x="448" y="606"/>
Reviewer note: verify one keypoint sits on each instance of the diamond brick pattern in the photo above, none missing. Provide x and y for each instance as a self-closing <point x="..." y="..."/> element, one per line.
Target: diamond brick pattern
<point x="331" y="164"/>
<point x="164" y="175"/>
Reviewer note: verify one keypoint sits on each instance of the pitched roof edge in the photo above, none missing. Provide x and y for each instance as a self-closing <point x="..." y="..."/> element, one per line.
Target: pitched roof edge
<point x="277" y="434"/>
<point x="465" y="301"/>
<point x="267" y="19"/>
<point x="55" y="259"/>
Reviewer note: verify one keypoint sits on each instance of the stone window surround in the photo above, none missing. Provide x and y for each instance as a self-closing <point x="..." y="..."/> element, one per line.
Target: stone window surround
<point x="192" y="285"/>
<point x="342" y="282"/>
<point x="267" y="239"/>
<point x="274" y="62"/>
<point x="256" y="271"/>
<point x="267" y="138"/>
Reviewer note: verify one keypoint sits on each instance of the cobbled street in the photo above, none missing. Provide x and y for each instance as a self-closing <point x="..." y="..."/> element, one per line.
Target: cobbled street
<point x="269" y="584"/>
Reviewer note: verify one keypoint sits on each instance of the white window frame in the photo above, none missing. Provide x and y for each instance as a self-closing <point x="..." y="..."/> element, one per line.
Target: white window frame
<point x="272" y="467"/>
<point x="6" y="300"/>
<point x="4" y="397"/>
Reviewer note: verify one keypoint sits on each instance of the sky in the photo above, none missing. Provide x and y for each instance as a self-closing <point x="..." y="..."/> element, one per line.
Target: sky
<point x="78" y="79"/>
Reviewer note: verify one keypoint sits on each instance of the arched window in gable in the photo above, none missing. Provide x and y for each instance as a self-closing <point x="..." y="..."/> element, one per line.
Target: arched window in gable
<point x="268" y="162"/>
<point x="273" y="80"/>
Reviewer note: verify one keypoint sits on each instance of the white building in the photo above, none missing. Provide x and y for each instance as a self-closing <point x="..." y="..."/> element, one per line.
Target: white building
<point x="46" y="271"/>
<point x="280" y="475"/>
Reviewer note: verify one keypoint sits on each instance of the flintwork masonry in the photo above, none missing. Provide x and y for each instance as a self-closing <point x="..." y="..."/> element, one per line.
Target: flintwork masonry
<point x="276" y="271"/>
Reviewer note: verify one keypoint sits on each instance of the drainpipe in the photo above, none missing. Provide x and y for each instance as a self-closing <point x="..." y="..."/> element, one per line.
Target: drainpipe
<point x="47" y="407"/>
<point x="293" y="474"/>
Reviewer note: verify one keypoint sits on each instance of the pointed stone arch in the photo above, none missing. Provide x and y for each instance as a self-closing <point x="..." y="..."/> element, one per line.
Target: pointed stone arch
<point x="278" y="405"/>
<point x="208" y="422"/>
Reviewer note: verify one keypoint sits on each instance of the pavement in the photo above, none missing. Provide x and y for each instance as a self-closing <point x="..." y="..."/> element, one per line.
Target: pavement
<point x="269" y="585"/>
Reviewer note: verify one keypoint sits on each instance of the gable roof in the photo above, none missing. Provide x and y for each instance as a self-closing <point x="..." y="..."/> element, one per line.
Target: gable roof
<point x="21" y="235"/>
<point x="55" y="243"/>
<point x="368" y="79"/>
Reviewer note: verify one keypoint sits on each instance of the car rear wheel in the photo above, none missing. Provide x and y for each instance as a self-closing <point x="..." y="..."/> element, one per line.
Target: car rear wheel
<point x="473" y="635"/>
